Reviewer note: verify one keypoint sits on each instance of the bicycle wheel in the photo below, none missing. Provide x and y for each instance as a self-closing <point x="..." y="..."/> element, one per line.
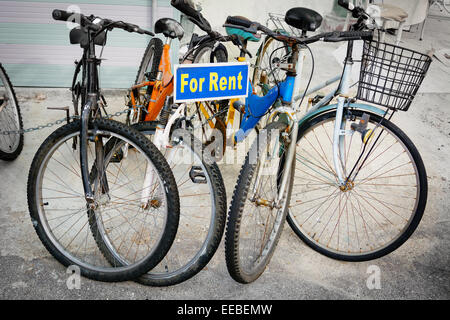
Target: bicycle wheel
<point x="71" y="231"/>
<point x="203" y="211"/>
<point x="377" y="211"/>
<point x="255" y="219"/>
<point x="10" y="120"/>
<point x="150" y="61"/>
<point x="204" y="110"/>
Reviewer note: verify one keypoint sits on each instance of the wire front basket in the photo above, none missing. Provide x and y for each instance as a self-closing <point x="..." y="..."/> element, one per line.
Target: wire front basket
<point x="390" y="75"/>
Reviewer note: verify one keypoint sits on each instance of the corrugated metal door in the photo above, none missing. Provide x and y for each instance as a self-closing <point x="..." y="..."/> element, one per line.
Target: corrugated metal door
<point x="35" y="49"/>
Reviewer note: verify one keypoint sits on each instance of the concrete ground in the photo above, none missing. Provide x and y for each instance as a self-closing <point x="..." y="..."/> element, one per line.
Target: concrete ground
<point x="420" y="269"/>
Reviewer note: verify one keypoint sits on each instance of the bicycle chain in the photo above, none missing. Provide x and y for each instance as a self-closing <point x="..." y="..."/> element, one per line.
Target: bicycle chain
<point x="116" y="114"/>
<point x="51" y="124"/>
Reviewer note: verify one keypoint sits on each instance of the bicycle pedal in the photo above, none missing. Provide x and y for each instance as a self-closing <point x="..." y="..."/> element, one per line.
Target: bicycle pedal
<point x="197" y="176"/>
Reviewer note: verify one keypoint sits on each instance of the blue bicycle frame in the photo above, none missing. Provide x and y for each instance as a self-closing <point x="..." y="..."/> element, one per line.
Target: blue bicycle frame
<point x="256" y="107"/>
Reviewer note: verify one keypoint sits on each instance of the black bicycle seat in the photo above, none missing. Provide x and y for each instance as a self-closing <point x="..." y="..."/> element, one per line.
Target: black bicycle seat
<point x="170" y="28"/>
<point x="303" y="18"/>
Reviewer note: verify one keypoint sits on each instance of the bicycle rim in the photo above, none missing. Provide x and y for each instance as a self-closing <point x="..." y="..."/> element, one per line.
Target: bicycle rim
<point x="10" y="119"/>
<point x="72" y="231"/>
<point x="373" y="214"/>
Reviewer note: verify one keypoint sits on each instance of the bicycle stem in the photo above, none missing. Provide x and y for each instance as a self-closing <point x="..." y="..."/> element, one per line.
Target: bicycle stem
<point x="288" y="163"/>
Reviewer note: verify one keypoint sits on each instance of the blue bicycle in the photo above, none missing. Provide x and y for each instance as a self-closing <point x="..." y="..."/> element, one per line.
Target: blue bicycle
<point x="351" y="183"/>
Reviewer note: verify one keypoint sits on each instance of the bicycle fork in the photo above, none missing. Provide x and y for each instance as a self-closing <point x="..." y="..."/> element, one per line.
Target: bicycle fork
<point x="338" y="142"/>
<point x="339" y="124"/>
<point x="85" y="115"/>
<point x="286" y="168"/>
<point x="162" y="141"/>
<point x="288" y="162"/>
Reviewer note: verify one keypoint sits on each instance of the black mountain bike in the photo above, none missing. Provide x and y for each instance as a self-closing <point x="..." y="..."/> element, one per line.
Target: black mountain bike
<point x="100" y="194"/>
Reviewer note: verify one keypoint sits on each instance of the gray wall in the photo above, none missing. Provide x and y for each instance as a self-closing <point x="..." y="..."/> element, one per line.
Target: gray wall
<point x="35" y="49"/>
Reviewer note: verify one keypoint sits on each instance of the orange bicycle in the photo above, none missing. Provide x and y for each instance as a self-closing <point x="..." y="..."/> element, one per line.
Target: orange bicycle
<point x="151" y="90"/>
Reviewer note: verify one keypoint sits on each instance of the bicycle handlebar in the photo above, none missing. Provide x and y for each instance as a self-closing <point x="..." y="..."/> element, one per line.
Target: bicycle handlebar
<point x="62" y="15"/>
<point x="334" y="36"/>
<point x="88" y="22"/>
<point x="246" y="25"/>
<point x="238" y="21"/>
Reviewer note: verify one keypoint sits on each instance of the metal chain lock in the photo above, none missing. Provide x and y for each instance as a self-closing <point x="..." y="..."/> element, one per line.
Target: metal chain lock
<point x="51" y="124"/>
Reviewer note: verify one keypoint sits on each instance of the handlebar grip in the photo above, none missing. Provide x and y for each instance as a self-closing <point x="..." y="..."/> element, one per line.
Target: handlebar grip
<point x="61" y="15"/>
<point x="238" y="21"/>
<point x="143" y="31"/>
<point x="348" y="35"/>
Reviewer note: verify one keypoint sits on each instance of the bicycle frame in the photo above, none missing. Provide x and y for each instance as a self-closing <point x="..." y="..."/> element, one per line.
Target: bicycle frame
<point x="90" y="105"/>
<point x="162" y="86"/>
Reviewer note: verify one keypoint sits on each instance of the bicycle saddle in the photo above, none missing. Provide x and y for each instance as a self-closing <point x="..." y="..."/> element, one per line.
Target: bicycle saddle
<point x="303" y="18"/>
<point x="170" y="28"/>
<point x="241" y="33"/>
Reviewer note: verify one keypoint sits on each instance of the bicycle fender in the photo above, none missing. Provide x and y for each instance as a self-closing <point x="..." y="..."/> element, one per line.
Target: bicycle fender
<point x="358" y="106"/>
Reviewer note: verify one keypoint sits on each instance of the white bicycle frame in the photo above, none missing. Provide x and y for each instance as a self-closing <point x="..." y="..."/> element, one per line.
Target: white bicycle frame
<point x="162" y="141"/>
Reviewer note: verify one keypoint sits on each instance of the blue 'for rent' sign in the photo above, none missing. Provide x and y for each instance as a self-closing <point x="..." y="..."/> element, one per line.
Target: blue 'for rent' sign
<point x="200" y="82"/>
